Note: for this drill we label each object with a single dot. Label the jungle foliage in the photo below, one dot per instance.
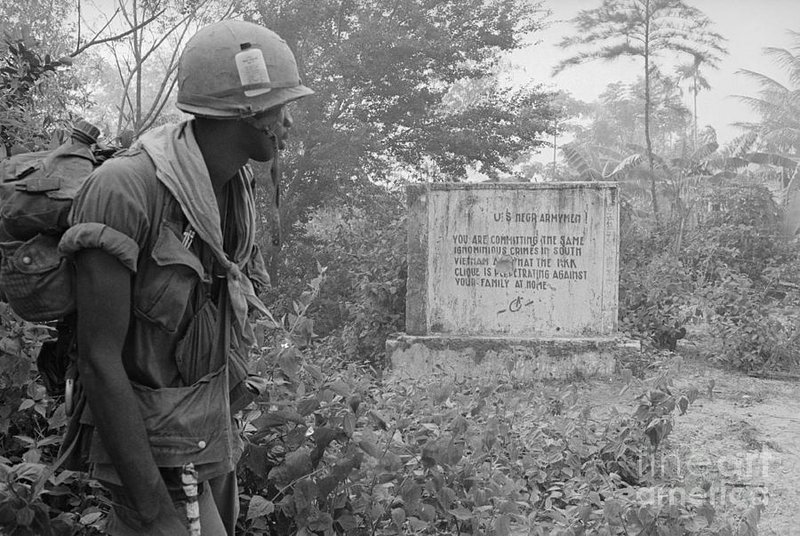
(334, 448)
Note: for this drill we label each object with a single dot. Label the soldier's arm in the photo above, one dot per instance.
(104, 305)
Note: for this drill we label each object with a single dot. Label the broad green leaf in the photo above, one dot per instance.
(398, 517)
(501, 525)
(259, 507)
(418, 525)
(307, 406)
(341, 388)
(349, 424)
(90, 518)
(612, 510)
(347, 522)
(461, 513)
(295, 465)
(25, 516)
(683, 404)
(321, 522)
(370, 448)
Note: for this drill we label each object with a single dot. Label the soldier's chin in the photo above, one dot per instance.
(266, 156)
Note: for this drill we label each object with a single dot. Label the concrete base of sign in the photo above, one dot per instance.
(462, 357)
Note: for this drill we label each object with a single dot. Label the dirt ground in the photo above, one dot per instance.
(739, 442)
(744, 433)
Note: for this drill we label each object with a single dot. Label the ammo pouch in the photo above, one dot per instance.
(184, 424)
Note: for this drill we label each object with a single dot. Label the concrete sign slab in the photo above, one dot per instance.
(513, 259)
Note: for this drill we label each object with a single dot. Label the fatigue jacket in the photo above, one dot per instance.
(171, 353)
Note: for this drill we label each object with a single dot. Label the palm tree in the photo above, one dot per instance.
(691, 71)
(642, 28)
(778, 131)
(777, 104)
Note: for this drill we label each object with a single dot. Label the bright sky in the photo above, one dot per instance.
(748, 25)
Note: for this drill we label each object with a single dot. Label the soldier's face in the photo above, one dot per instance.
(273, 128)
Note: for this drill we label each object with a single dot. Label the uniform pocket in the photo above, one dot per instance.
(166, 281)
(195, 352)
(184, 424)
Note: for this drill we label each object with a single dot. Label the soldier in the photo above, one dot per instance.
(162, 237)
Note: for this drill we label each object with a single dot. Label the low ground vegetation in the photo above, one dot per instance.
(334, 448)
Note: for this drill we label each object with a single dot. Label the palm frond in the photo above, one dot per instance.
(771, 159)
(579, 163)
(703, 152)
(630, 162)
(741, 144)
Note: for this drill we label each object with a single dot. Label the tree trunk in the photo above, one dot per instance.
(647, 111)
(555, 147)
(694, 124)
(137, 53)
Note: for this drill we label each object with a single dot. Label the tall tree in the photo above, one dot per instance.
(39, 91)
(396, 92)
(37, 32)
(692, 72)
(615, 119)
(777, 104)
(566, 107)
(145, 55)
(642, 29)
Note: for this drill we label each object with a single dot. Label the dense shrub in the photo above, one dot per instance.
(33, 500)
(655, 286)
(734, 273)
(740, 230)
(654, 296)
(747, 324)
(334, 452)
(363, 247)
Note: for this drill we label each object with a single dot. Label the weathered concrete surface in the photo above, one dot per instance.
(464, 357)
(512, 278)
(513, 259)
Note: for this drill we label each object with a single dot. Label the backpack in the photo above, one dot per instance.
(36, 193)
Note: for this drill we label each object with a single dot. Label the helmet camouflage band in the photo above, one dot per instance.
(233, 69)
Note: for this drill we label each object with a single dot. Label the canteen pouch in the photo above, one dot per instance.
(36, 280)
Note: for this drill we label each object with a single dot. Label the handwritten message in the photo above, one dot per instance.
(534, 261)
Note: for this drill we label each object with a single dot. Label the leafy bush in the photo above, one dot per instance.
(333, 451)
(654, 296)
(655, 287)
(740, 260)
(734, 273)
(740, 231)
(32, 103)
(747, 324)
(34, 499)
(363, 247)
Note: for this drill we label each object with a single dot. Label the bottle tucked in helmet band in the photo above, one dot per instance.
(234, 69)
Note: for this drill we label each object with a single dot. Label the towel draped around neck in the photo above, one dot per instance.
(180, 167)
